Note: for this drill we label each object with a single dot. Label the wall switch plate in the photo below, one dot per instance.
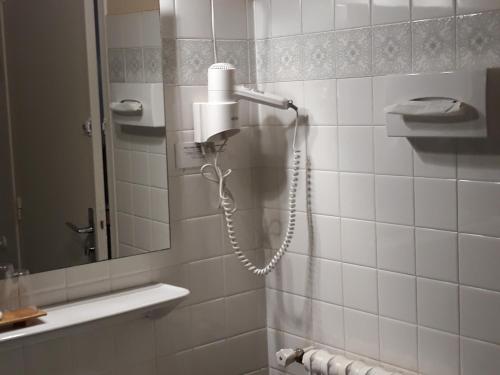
(188, 155)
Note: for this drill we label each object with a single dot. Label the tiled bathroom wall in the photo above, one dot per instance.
(397, 260)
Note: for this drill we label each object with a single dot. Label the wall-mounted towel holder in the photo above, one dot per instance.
(452, 104)
(127, 107)
(138, 104)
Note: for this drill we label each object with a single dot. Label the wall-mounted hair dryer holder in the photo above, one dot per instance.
(217, 119)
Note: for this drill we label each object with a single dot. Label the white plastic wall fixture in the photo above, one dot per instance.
(474, 88)
(151, 97)
(215, 121)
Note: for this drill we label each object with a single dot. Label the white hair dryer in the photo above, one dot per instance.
(217, 119)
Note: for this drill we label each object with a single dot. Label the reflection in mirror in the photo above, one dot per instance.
(139, 143)
(70, 193)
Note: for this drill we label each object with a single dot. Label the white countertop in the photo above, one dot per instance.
(90, 310)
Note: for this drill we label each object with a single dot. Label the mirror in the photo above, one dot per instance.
(80, 183)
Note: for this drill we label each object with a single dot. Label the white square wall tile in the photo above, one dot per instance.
(89, 273)
(435, 158)
(158, 171)
(283, 304)
(395, 11)
(193, 19)
(397, 296)
(245, 312)
(398, 343)
(230, 19)
(114, 33)
(358, 242)
(151, 35)
(379, 88)
(327, 280)
(124, 197)
(396, 248)
(479, 261)
(206, 280)
(324, 192)
(261, 10)
(322, 147)
(141, 197)
(354, 101)
(356, 148)
(236, 278)
(436, 203)
(361, 333)
(317, 15)
(393, 155)
(208, 322)
(328, 324)
(320, 100)
(167, 17)
(479, 160)
(473, 6)
(360, 288)
(125, 228)
(437, 305)
(437, 255)
(140, 168)
(479, 314)
(208, 240)
(291, 276)
(423, 9)
(159, 205)
(357, 196)
(326, 234)
(352, 13)
(132, 30)
(394, 199)
(479, 207)
(286, 17)
(438, 352)
(143, 233)
(140, 349)
(479, 355)
(160, 236)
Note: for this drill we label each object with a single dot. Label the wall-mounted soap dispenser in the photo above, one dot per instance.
(453, 104)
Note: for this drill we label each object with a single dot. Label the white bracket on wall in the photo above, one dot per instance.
(451, 104)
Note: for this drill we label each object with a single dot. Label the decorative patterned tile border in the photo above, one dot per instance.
(287, 59)
(135, 64)
(392, 49)
(478, 41)
(354, 52)
(434, 45)
(319, 56)
(235, 52)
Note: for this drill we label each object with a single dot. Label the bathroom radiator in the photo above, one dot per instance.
(321, 362)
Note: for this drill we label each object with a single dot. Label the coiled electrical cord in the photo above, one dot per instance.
(214, 173)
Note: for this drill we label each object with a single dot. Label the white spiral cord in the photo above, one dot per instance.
(228, 204)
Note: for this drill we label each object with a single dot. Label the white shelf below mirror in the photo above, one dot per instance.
(152, 300)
